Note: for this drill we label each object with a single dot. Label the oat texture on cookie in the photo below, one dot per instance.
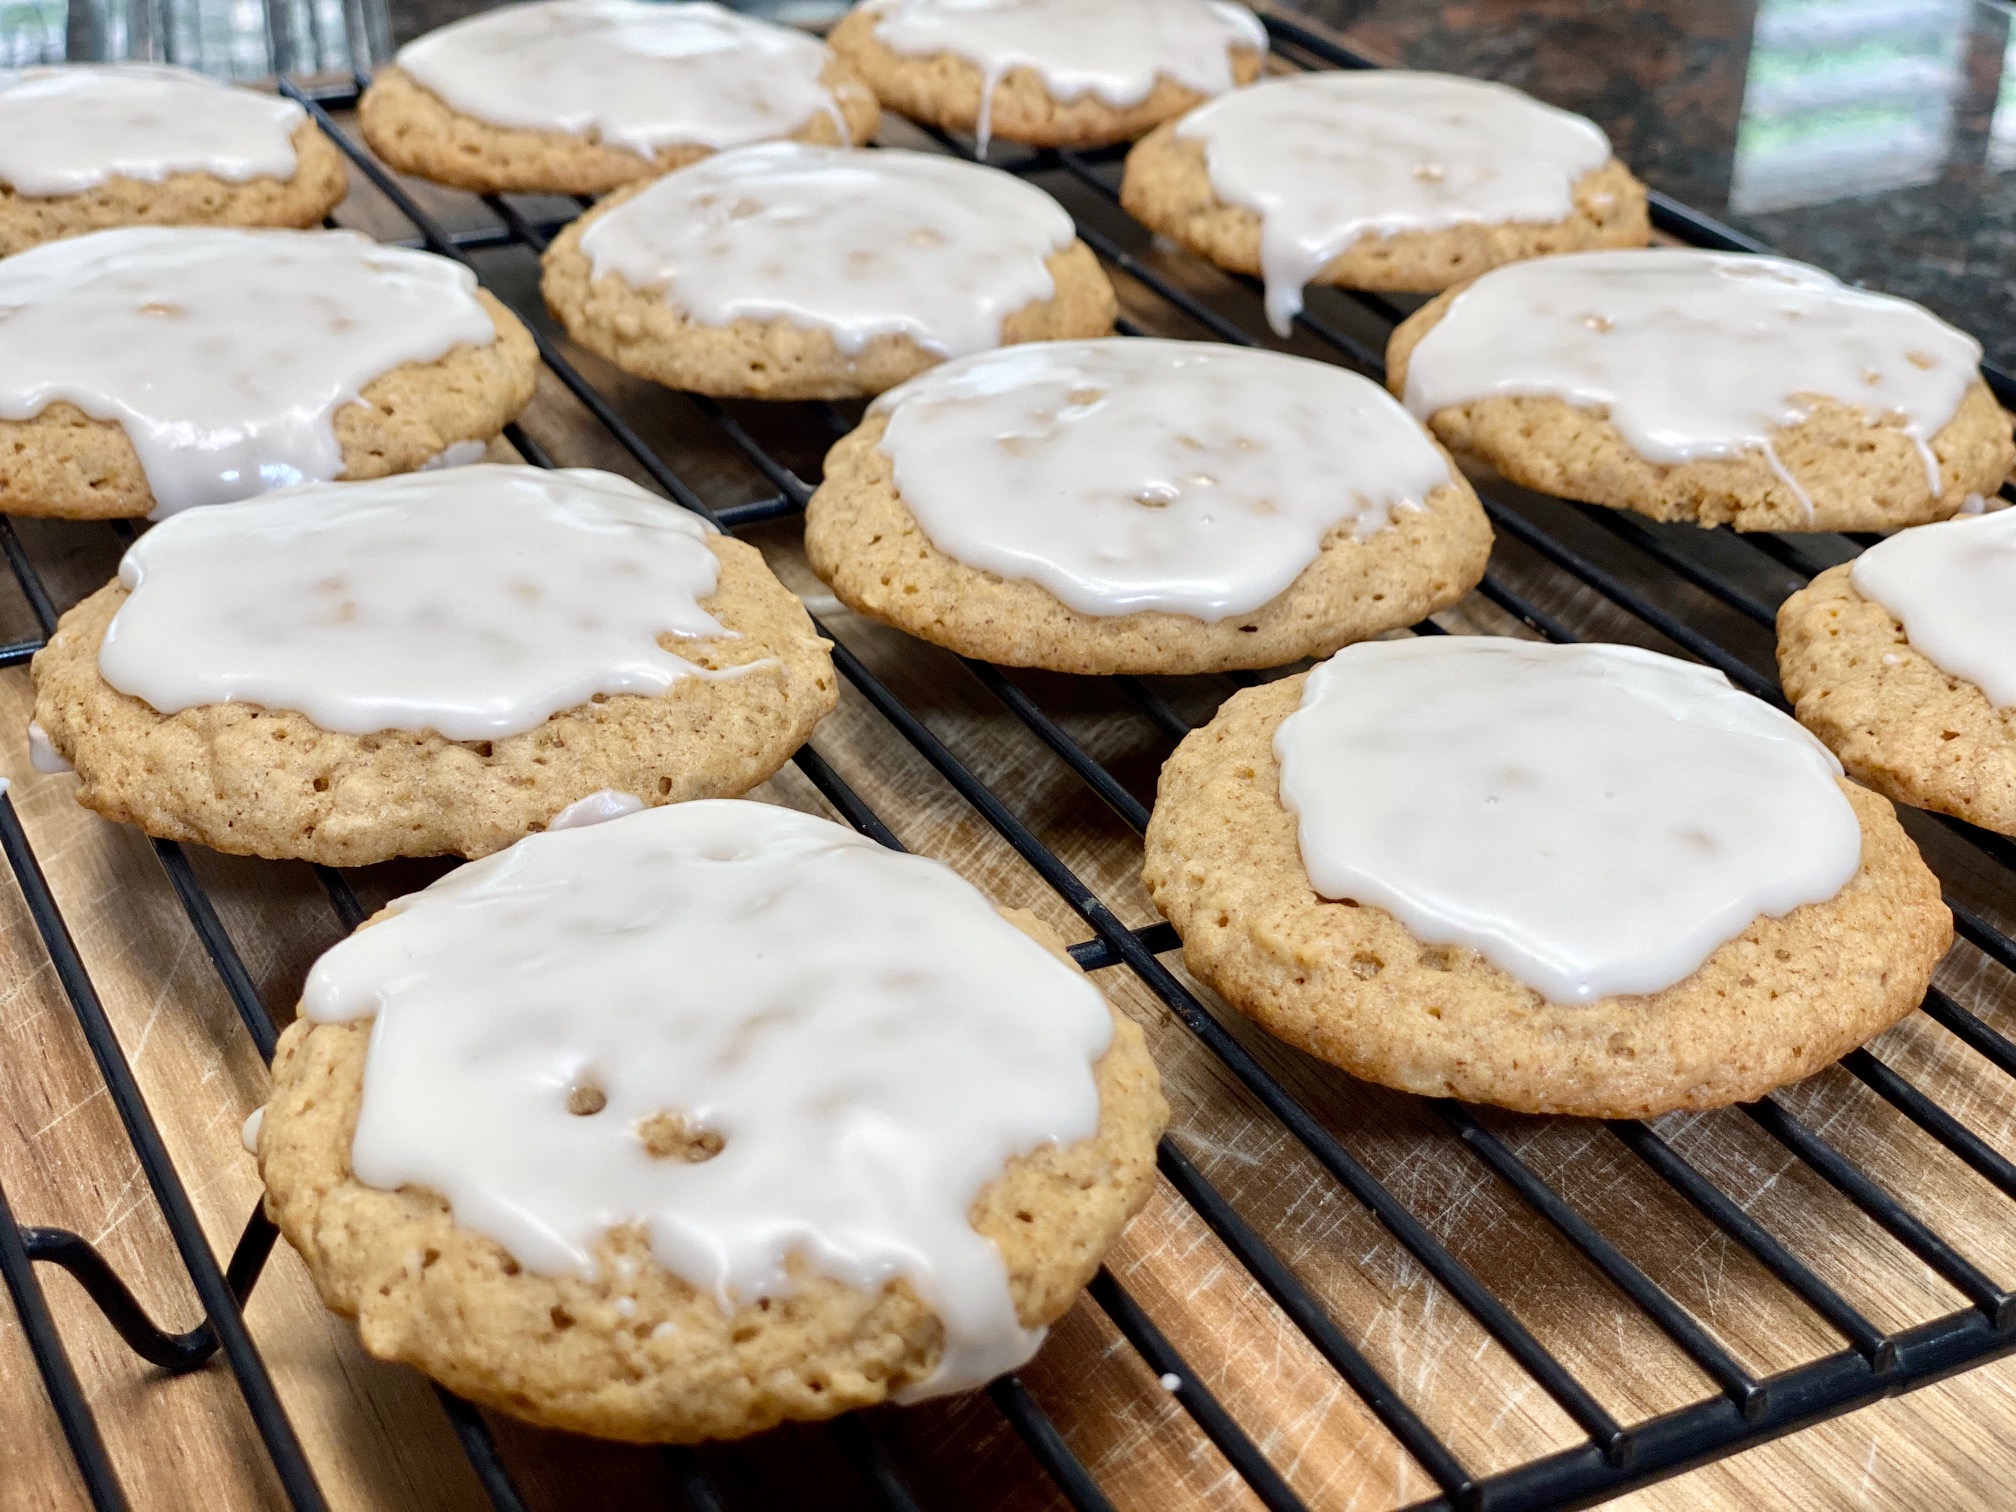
(1577, 879)
(89, 146)
(703, 1119)
(1706, 386)
(582, 96)
(148, 369)
(1137, 505)
(1381, 179)
(1050, 73)
(1904, 662)
(438, 663)
(784, 271)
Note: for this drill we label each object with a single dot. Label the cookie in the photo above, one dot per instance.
(1718, 388)
(145, 370)
(792, 272)
(1899, 707)
(1380, 179)
(584, 96)
(1344, 979)
(1135, 505)
(347, 673)
(1047, 73)
(85, 147)
(914, 1259)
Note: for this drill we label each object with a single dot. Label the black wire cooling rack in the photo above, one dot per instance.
(1742, 577)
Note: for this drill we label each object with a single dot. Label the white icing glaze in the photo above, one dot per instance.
(248, 1132)
(475, 602)
(635, 75)
(224, 355)
(1593, 820)
(1327, 159)
(861, 243)
(1694, 354)
(456, 454)
(67, 129)
(42, 753)
(598, 807)
(1953, 587)
(1130, 474)
(868, 1039)
(1114, 50)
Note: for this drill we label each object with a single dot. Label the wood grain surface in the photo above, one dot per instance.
(378, 1439)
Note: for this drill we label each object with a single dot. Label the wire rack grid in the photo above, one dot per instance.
(1729, 588)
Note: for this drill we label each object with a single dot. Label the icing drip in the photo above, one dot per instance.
(1953, 587)
(248, 1133)
(1114, 50)
(1695, 354)
(476, 602)
(1328, 159)
(42, 753)
(598, 807)
(635, 75)
(852, 1041)
(1593, 820)
(1132, 474)
(457, 454)
(65, 130)
(863, 244)
(224, 355)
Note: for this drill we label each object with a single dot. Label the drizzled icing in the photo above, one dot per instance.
(1114, 50)
(1694, 354)
(42, 753)
(224, 355)
(1593, 820)
(1328, 159)
(635, 75)
(456, 454)
(1131, 474)
(863, 244)
(599, 807)
(65, 130)
(1953, 587)
(476, 602)
(869, 1042)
